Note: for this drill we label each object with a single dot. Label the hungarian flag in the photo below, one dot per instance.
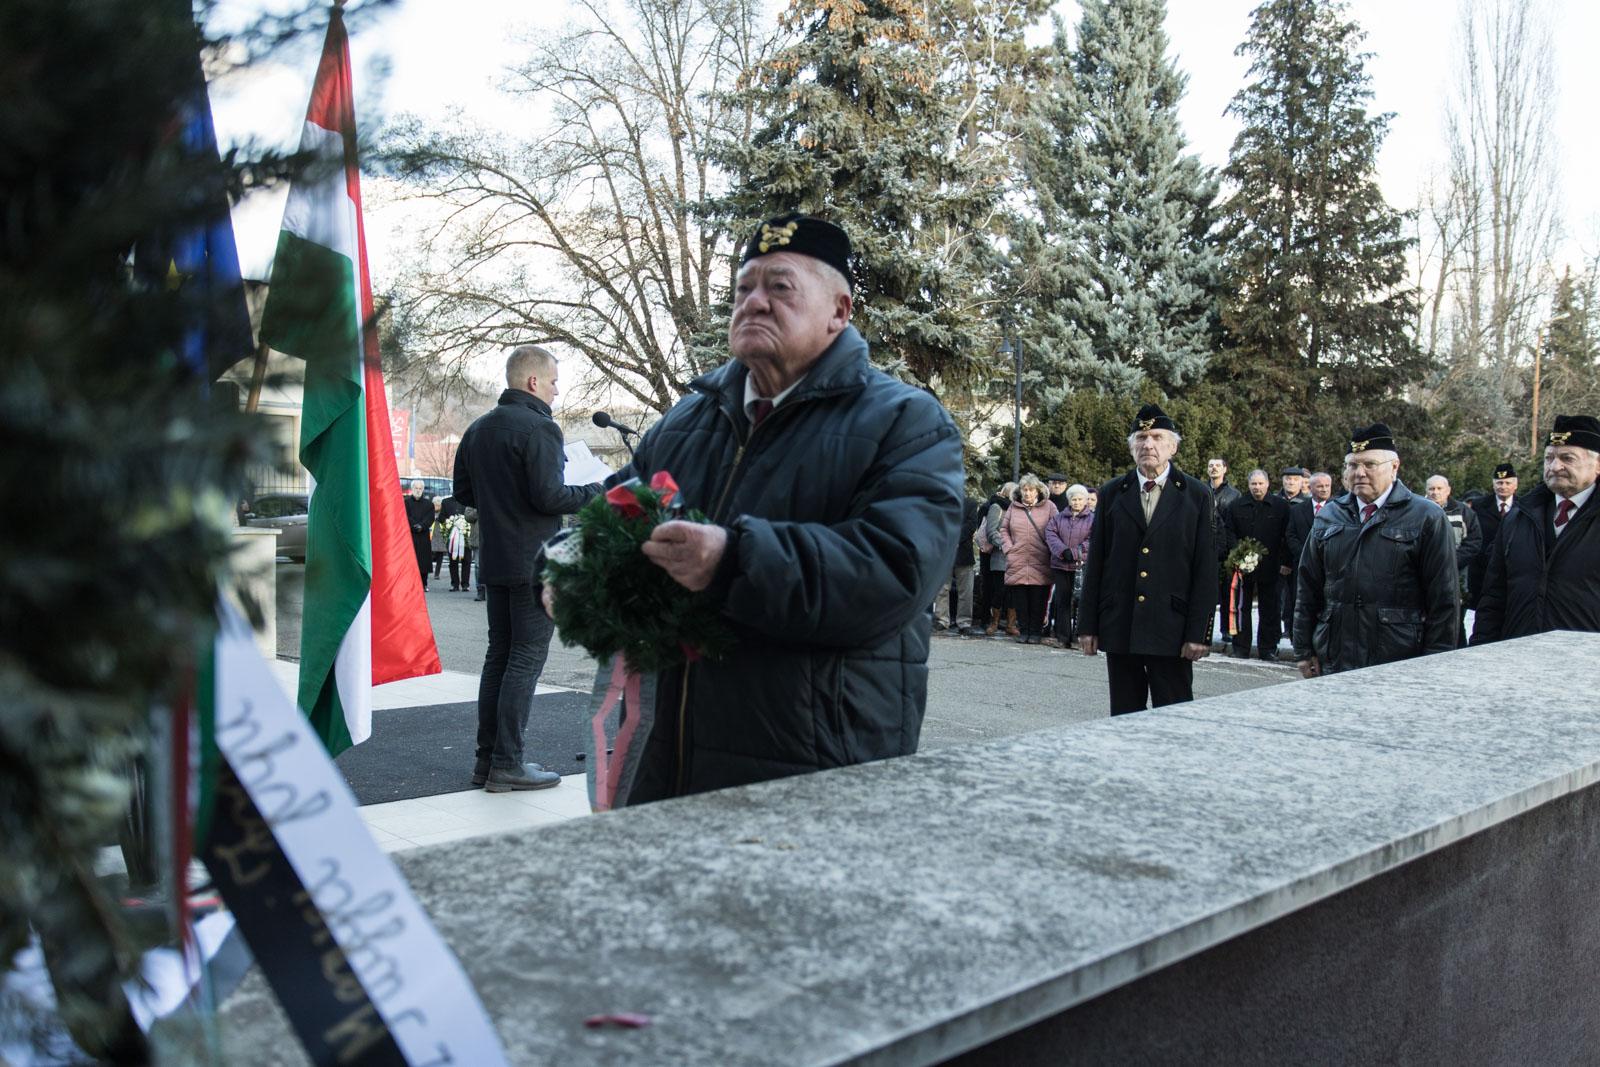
(364, 621)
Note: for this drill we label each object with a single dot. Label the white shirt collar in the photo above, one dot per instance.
(1161, 479)
(1578, 499)
(1381, 501)
(751, 396)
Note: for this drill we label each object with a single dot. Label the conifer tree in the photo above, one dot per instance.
(1319, 310)
(862, 125)
(1571, 379)
(1119, 266)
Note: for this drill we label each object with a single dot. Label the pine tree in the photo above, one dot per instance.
(1316, 259)
(1571, 376)
(1121, 272)
(862, 126)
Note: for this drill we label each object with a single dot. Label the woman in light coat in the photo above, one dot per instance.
(1028, 555)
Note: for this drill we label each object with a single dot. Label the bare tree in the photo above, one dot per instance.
(585, 234)
(1497, 220)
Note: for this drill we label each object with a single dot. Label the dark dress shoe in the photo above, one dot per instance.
(480, 773)
(528, 776)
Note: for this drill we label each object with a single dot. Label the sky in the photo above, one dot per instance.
(430, 58)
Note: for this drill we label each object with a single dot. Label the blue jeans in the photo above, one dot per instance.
(519, 641)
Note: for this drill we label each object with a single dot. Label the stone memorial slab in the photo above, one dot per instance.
(903, 912)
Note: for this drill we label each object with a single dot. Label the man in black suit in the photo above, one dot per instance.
(1303, 511)
(1491, 511)
(1263, 516)
(1148, 581)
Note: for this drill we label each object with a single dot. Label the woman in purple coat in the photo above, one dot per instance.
(1028, 555)
(1068, 537)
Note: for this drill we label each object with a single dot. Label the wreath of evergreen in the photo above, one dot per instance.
(609, 596)
(1241, 554)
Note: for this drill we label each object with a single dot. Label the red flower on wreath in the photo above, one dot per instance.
(627, 505)
(665, 487)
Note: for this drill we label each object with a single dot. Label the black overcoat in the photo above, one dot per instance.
(1378, 591)
(1537, 581)
(1302, 514)
(1149, 589)
(419, 515)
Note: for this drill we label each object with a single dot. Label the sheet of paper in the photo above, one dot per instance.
(583, 467)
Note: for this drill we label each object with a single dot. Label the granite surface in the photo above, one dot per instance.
(904, 911)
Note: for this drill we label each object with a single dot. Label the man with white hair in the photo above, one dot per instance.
(833, 500)
(1464, 528)
(419, 516)
(1378, 575)
(1544, 566)
(1263, 517)
(1150, 575)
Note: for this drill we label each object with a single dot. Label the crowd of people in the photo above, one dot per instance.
(1020, 563)
(836, 516)
(443, 529)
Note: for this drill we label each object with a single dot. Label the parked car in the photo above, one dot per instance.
(285, 512)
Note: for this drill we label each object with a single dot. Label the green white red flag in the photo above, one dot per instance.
(365, 621)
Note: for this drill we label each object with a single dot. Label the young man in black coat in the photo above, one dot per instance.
(1378, 577)
(1149, 578)
(1544, 565)
(510, 467)
(1263, 516)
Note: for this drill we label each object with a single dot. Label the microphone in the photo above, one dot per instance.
(603, 420)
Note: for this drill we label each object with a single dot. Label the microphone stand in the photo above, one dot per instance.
(625, 443)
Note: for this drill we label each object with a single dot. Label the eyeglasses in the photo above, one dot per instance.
(1368, 465)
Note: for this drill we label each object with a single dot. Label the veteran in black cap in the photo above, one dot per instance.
(834, 496)
(1544, 567)
(1491, 510)
(1377, 578)
(1151, 573)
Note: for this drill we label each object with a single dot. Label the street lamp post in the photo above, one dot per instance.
(1015, 352)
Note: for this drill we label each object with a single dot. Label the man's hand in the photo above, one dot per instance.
(1309, 667)
(1196, 650)
(1286, 571)
(688, 551)
(1089, 645)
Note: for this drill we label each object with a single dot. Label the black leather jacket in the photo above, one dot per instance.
(1378, 591)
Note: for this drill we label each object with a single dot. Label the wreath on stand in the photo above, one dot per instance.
(1244, 559)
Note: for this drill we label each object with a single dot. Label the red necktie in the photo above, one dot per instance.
(1149, 486)
(1317, 508)
(760, 410)
(1368, 511)
(1503, 506)
(1563, 513)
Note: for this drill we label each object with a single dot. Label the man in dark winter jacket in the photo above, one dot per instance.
(1222, 497)
(1463, 523)
(1544, 566)
(1263, 516)
(1378, 576)
(419, 515)
(509, 467)
(1149, 577)
(834, 494)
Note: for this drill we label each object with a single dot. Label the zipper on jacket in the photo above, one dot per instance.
(683, 698)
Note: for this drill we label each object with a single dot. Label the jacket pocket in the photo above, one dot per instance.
(1399, 634)
(1180, 605)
